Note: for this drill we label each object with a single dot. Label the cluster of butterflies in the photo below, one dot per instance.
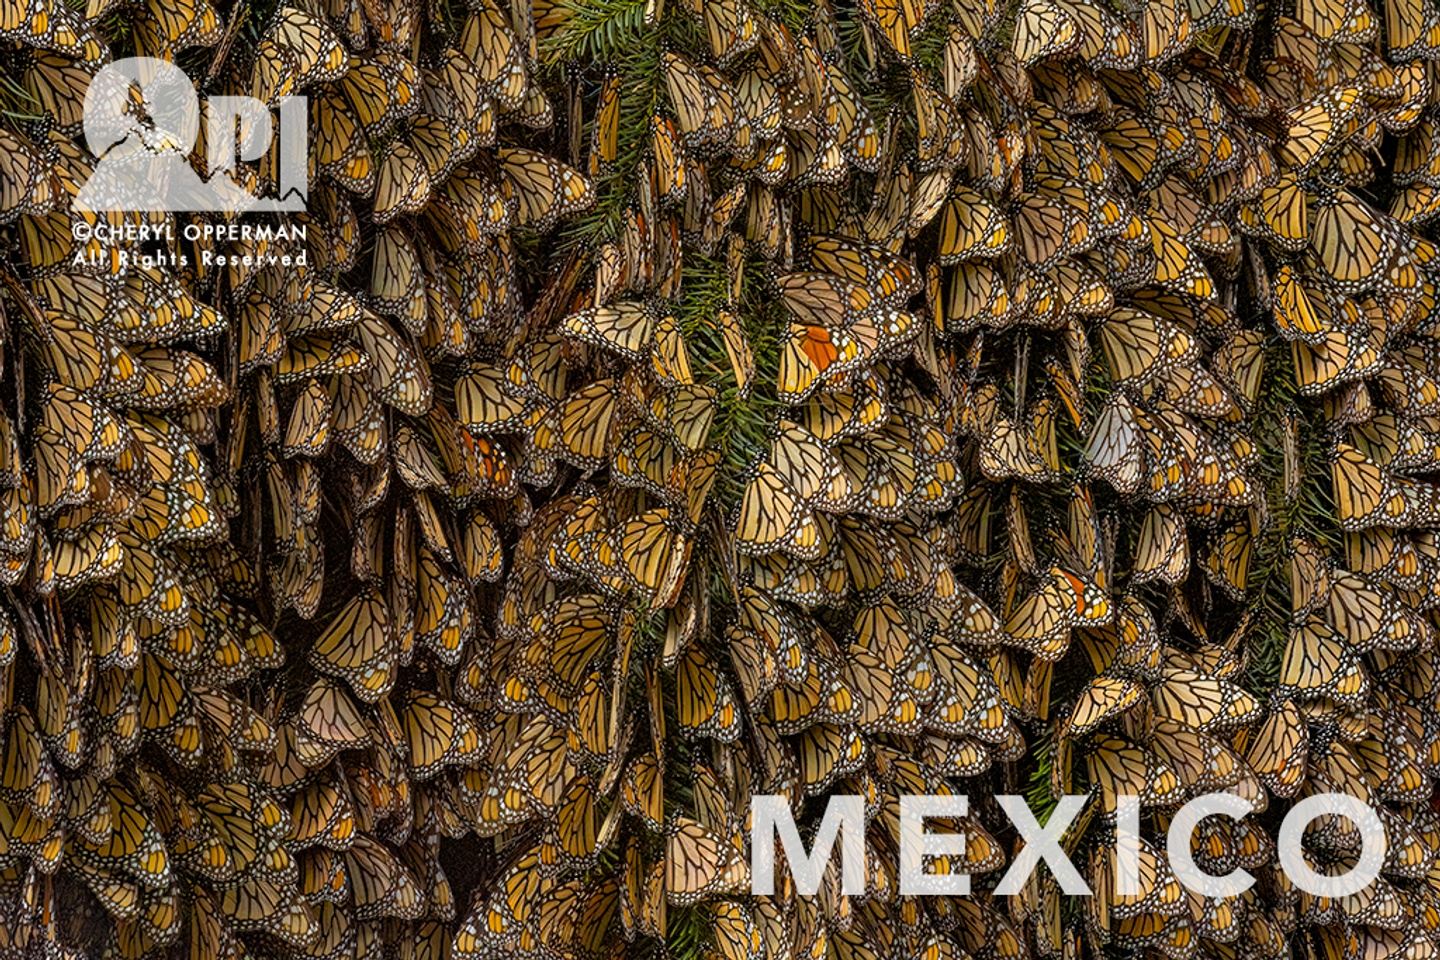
(656, 407)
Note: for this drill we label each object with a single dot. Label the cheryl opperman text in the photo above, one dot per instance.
(844, 819)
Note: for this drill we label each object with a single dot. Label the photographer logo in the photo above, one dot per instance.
(142, 118)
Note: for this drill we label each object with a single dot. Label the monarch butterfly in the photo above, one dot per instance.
(445, 140)
(1202, 761)
(1350, 242)
(1043, 28)
(509, 906)
(1085, 186)
(455, 107)
(1041, 623)
(885, 473)
(328, 721)
(27, 775)
(1228, 561)
(655, 551)
(1367, 616)
(1315, 126)
(813, 354)
(731, 28)
(890, 279)
(625, 327)
(1120, 768)
(1298, 314)
(259, 905)
(1163, 550)
(1202, 702)
(489, 41)
(642, 791)
(1053, 223)
(1392, 760)
(940, 143)
(356, 646)
(697, 862)
(604, 136)
(707, 705)
(1318, 662)
(858, 137)
(820, 695)
(1177, 267)
(1409, 30)
(1104, 40)
(28, 189)
(544, 188)
(438, 733)
(825, 752)
(398, 280)
(669, 359)
(704, 103)
(296, 51)
(1103, 698)
(735, 930)
(1011, 449)
(1365, 494)
(905, 204)
(547, 765)
(162, 31)
(402, 184)
(1165, 29)
(573, 837)
(898, 21)
(971, 227)
(382, 91)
